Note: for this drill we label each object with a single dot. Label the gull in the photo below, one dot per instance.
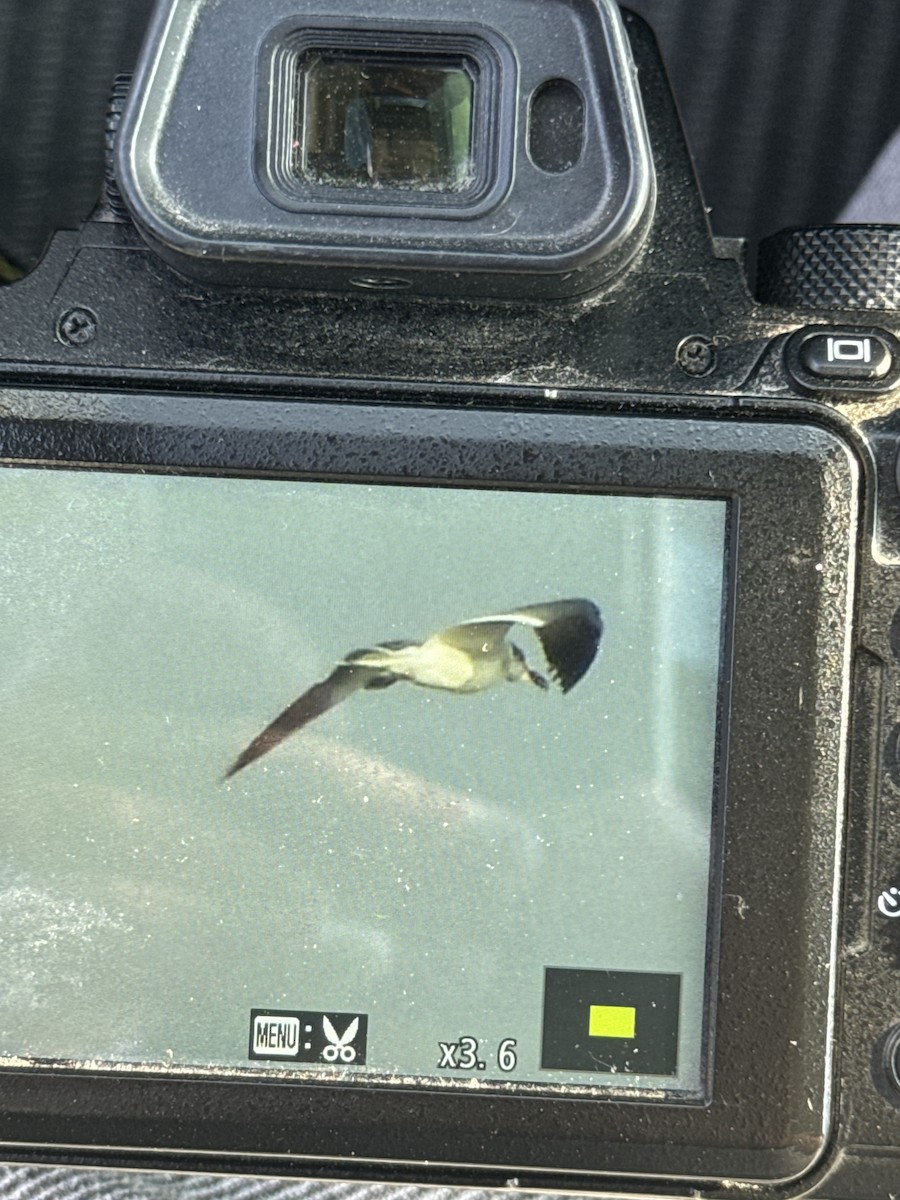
(465, 658)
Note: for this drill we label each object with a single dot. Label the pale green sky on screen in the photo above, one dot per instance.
(416, 855)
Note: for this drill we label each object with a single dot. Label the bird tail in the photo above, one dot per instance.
(382, 657)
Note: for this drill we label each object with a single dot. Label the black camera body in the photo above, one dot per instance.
(381, 336)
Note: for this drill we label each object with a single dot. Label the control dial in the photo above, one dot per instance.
(831, 267)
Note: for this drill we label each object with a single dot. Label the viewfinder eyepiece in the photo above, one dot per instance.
(493, 152)
(384, 120)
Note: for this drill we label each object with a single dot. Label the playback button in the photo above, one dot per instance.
(846, 356)
(843, 360)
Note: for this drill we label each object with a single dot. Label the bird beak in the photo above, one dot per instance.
(538, 679)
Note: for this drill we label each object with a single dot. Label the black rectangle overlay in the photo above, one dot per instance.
(332, 1039)
(579, 1003)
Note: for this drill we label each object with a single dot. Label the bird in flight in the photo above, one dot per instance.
(469, 657)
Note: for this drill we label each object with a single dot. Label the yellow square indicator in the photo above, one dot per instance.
(611, 1020)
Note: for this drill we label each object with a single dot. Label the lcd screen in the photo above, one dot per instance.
(348, 781)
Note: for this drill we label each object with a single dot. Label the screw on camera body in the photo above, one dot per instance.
(696, 355)
(77, 327)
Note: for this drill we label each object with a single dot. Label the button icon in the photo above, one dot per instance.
(843, 360)
(849, 349)
(845, 356)
(308, 1037)
(275, 1036)
(889, 902)
(339, 1046)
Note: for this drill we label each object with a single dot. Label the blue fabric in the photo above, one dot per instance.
(877, 199)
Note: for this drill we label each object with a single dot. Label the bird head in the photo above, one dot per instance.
(518, 669)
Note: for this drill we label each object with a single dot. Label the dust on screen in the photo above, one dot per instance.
(495, 876)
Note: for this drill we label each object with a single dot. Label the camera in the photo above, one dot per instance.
(450, 632)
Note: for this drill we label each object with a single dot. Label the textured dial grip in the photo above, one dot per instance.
(831, 267)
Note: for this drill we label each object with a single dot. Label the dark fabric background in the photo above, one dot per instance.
(786, 103)
(58, 59)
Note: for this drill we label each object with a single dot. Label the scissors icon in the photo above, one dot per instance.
(339, 1047)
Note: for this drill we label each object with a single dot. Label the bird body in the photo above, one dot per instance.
(472, 656)
(437, 663)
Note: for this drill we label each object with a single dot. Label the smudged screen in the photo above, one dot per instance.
(478, 850)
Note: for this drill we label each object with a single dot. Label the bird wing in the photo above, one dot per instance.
(343, 681)
(479, 636)
(569, 632)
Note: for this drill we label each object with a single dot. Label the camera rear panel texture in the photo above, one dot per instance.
(775, 854)
(503, 695)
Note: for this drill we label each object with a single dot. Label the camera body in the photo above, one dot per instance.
(633, 365)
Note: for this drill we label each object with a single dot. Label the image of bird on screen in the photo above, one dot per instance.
(469, 657)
